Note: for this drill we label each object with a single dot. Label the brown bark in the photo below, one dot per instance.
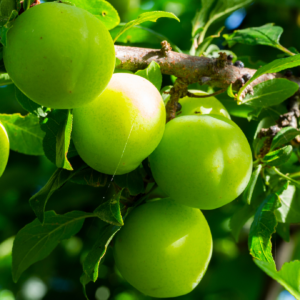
(191, 68)
(216, 72)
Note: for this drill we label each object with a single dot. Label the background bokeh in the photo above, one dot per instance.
(232, 275)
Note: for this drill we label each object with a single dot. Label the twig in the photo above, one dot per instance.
(191, 68)
(297, 183)
(287, 119)
(178, 91)
(216, 72)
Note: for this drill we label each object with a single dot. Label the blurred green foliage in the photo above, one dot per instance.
(232, 275)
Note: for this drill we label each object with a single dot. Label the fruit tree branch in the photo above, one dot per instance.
(216, 72)
(193, 69)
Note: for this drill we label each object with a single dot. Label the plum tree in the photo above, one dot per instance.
(202, 161)
(201, 106)
(4, 149)
(122, 127)
(60, 56)
(164, 248)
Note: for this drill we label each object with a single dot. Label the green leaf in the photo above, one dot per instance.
(27, 3)
(278, 157)
(262, 228)
(5, 79)
(289, 212)
(31, 106)
(211, 11)
(72, 150)
(239, 219)
(271, 92)
(133, 181)
(231, 106)
(6, 7)
(5, 24)
(273, 67)
(259, 142)
(230, 91)
(201, 16)
(35, 241)
(288, 276)
(91, 177)
(153, 74)
(56, 143)
(203, 48)
(110, 211)
(103, 10)
(147, 16)
(58, 179)
(25, 133)
(284, 136)
(140, 34)
(118, 62)
(268, 35)
(94, 257)
(248, 192)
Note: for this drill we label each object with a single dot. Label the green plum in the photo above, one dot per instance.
(59, 55)
(115, 133)
(164, 248)
(4, 149)
(201, 106)
(202, 161)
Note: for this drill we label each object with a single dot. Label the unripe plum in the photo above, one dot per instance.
(4, 149)
(202, 106)
(202, 161)
(115, 133)
(59, 55)
(164, 248)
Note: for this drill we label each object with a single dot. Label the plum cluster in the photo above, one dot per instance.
(63, 57)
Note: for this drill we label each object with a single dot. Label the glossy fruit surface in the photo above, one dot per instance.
(164, 248)
(122, 127)
(4, 149)
(202, 161)
(202, 106)
(59, 55)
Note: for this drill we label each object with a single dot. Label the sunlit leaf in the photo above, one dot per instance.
(103, 10)
(25, 133)
(147, 16)
(268, 35)
(152, 73)
(273, 67)
(271, 92)
(288, 276)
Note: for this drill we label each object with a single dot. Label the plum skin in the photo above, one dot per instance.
(4, 149)
(201, 106)
(164, 248)
(115, 133)
(59, 56)
(202, 161)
